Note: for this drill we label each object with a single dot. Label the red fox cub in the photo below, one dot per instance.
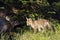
(38, 24)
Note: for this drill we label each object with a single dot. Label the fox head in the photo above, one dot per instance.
(29, 21)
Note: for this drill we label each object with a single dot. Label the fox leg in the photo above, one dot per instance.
(39, 29)
(35, 30)
(44, 30)
(50, 27)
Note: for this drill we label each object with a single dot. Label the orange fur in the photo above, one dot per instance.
(38, 24)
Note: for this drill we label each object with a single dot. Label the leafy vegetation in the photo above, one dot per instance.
(34, 10)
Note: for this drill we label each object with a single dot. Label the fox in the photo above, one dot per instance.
(37, 25)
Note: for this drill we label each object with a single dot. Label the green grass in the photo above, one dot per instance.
(38, 36)
(29, 35)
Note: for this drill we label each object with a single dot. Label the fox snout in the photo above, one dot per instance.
(27, 23)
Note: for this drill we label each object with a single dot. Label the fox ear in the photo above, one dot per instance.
(26, 18)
